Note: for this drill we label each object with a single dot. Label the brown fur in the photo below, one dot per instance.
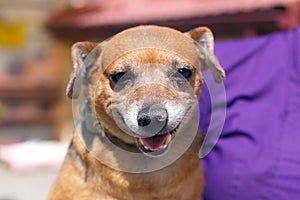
(82, 176)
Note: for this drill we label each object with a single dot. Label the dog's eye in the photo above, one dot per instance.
(186, 73)
(117, 76)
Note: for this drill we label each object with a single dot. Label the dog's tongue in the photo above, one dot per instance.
(155, 142)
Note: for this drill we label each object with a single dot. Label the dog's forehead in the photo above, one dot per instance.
(148, 37)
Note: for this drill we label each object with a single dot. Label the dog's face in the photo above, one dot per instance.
(143, 92)
(150, 92)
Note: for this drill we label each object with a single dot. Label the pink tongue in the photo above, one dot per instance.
(155, 142)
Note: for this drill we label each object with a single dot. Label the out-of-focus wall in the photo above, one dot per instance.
(32, 67)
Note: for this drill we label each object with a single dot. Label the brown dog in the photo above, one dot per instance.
(136, 85)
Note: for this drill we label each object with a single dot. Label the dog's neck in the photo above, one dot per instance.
(121, 143)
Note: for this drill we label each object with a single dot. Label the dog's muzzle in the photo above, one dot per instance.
(153, 130)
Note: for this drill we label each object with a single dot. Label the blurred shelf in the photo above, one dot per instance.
(27, 112)
(31, 88)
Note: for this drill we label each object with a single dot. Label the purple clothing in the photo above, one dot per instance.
(257, 156)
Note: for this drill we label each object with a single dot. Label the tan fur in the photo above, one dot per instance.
(82, 176)
(177, 181)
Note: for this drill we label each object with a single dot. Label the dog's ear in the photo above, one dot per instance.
(84, 55)
(204, 40)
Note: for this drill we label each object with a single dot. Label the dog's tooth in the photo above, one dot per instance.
(141, 141)
(168, 139)
(165, 146)
(146, 147)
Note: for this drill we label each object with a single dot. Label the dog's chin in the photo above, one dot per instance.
(157, 144)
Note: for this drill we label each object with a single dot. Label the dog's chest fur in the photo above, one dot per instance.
(178, 181)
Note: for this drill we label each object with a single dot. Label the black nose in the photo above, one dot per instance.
(155, 115)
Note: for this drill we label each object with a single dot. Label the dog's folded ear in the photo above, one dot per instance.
(204, 40)
(84, 55)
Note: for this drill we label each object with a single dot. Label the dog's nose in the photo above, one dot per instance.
(155, 115)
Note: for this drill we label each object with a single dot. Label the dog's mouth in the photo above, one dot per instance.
(158, 143)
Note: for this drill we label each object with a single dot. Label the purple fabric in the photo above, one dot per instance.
(257, 156)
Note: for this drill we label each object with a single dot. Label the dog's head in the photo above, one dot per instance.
(144, 81)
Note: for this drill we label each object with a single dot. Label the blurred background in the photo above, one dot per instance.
(35, 40)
